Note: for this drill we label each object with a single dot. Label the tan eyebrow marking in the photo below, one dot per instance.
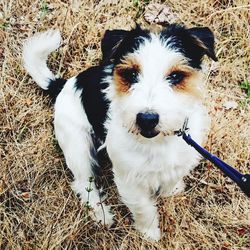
(190, 83)
(122, 85)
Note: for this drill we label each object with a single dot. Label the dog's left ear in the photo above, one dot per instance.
(204, 38)
(110, 41)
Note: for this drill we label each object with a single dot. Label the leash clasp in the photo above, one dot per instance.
(184, 128)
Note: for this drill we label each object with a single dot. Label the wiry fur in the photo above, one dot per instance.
(35, 53)
(142, 167)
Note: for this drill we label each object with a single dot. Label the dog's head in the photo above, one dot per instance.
(155, 78)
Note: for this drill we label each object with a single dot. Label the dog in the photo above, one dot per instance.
(131, 105)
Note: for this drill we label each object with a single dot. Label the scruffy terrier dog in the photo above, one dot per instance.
(131, 105)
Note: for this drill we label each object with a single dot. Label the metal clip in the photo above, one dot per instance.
(184, 128)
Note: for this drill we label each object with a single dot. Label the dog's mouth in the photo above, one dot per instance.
(149, 133)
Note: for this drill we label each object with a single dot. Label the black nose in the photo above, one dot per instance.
(147, 121)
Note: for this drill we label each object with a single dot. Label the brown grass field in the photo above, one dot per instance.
(38, 209)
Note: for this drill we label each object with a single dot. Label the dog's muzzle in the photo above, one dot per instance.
(147, 123)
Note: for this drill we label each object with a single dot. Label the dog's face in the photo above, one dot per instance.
(155, 78)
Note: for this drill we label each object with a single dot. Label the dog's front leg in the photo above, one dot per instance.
(142, 207)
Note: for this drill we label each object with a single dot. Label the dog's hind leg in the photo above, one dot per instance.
(73, 132)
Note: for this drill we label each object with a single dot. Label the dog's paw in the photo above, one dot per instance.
(101, 214)
(178, 188)
(96, 209)
(152, 233)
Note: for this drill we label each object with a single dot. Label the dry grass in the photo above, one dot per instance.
(38, 210)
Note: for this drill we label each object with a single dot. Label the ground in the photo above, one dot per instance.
(38, 209)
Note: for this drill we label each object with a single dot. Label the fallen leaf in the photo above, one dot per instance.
(108, 2)
(226, 245)
(75, 5)
(159, 13)
(28, 101)
(215, 66)
(184, 224)
(126, 221)
(230, 105)
(26, 196)
(241, 231)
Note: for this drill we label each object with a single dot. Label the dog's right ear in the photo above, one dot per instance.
(110, 41)
(204, 39)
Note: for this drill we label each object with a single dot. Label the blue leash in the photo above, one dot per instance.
(243, 181)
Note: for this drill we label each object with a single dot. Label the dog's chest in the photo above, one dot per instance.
(152, 165)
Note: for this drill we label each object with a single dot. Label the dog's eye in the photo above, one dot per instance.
(175, 77)
(130, 75)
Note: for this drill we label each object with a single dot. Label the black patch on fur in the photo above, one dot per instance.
(102, 163)
(93, 100)
(110, 41)
(55, 87)
(90, 83)
(95, 166)
(206, 36)
(185, 41)
(121, 43)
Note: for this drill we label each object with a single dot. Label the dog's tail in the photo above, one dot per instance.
(35, 53)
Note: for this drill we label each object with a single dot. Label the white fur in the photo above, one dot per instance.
(142, 167)
(35, 54)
